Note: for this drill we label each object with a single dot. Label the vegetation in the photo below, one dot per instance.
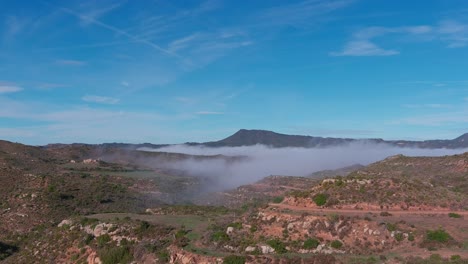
(278, 199)
(115, 255)
(311, 243)
(454, 215)
(234, 259)
(438, 235)
(336, 244)
(278, 245)
(320, 199)
(7, 250)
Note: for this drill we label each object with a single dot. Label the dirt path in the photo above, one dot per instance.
(351, 211)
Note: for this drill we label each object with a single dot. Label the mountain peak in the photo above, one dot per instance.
(462, 138)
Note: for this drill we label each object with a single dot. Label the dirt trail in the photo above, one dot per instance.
(351, 211)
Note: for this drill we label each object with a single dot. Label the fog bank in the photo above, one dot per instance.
(264, 161)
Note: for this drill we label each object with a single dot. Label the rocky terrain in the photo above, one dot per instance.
(93, 204)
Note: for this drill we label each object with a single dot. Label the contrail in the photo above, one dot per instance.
(116, 30)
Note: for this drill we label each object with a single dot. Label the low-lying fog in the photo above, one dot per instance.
(264, 161)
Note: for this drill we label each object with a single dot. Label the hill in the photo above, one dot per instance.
(245, 137)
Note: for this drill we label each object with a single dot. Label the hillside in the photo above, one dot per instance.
(245, 137)
(89, 204)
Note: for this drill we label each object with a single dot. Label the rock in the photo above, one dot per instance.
(267, 249)
(250, 249)
(228, 247)
(65, 222)
(290, 226)
(376, 232)
(230, 230)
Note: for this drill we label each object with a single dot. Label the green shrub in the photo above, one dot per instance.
(278, 199)
(103, 240)
(164, 255)
(399, 237)
(278, 245)
(438, 235)
(391, 227)
(320, 199)
(311, 243)
(455, 257)
(219, 236)
(336, 244)
(236, 225)
(233, 259)
(410, 237)
(116, 255)
(454, 215)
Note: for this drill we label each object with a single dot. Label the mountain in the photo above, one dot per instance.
(246, 137)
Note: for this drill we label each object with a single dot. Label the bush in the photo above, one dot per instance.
(311, 243)
(438, 235)
(115, 255)
(219, 236)
(320, 199)
(410, 237)
(454, 215)
(399, 237)
(278, 199)
(278, 245)
(336, 244)
(391, 227)
(236, 225)
(233, 259)
(164, 255)
(103, 240)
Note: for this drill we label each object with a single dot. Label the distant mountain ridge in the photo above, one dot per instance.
(246, 137)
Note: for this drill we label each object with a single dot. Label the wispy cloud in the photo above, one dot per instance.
(209, 113)
(93, 12)
(453, 32)
(101, 24)
(100, 99)
(363, 42)
(200, 49)
(8, 88)
(304, 12)
(70, 62)
(14, 25)
(363, 48)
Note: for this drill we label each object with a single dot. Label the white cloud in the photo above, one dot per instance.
(124, 83)
(363, 48)
(6, 88)
(100, 99)
(301, 13)
(96, 12)
(363, 41)
(453, 32)
(70, 62)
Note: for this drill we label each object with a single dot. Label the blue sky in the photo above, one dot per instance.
(175, 71)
